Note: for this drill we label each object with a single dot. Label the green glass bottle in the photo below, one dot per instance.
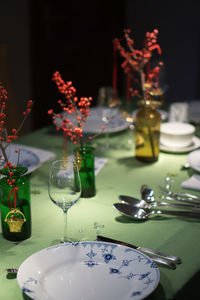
(85, 158)
(15, 205)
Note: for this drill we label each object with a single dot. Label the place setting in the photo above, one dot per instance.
(178, 134)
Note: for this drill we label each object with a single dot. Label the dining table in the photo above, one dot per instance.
(121, 174)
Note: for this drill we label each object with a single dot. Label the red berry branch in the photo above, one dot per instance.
(7, 138)
(71, 105)
(136, 62)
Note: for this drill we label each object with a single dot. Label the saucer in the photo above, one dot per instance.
(194, 145)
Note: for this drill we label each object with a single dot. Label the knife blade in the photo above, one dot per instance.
(156, 259)
(151, 252)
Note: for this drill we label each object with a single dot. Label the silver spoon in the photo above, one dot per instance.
(141, 203)
(148, 195)
(142, 214)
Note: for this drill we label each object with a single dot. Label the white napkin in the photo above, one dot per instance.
(194, 110)
(192, 183)
(178, 112)
(98, 163)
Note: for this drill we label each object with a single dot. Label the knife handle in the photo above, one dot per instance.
(172, 258)
(163, 261)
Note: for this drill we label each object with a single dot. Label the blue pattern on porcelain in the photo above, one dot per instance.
(119, 262)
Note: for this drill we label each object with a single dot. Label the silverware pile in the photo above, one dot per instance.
(188, 205)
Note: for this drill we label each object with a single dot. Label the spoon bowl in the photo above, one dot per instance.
(134, 201)
(147, 193)
(131, 211)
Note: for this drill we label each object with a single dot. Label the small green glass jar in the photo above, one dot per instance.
(15, 205)
(85, 158)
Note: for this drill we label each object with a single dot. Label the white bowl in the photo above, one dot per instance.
(176, 134)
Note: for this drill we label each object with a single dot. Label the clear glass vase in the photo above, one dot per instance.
(15, 205)
(147, 132)
(85, 158)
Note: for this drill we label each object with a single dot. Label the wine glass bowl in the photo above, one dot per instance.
(64, 187)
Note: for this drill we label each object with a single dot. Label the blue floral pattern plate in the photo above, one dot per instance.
(88, 270)
(94, 121)
(26, 158)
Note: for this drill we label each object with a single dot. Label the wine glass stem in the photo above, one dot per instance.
(65, 238)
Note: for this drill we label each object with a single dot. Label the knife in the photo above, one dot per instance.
(150, 252)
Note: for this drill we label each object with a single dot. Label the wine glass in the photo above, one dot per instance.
(64, 187)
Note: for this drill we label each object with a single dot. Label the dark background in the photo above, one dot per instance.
(75, 38)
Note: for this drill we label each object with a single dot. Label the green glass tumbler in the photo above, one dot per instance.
(15, 205)
(85, 158)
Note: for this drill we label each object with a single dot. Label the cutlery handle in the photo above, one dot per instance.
(193, 202)
(187, 195)
(163, 262)
(186, 199)
(185, 214)
(180, 195)
(172, 258)
(186, 204)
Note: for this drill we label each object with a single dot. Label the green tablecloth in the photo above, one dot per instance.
(122, 174)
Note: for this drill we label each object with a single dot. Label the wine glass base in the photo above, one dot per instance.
(69, 240)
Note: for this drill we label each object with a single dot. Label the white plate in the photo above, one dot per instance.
(194, 160)
(195, 144)
(27, 158)
(88, 271)
(94, 122)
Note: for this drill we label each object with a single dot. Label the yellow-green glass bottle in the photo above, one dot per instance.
(147, 132)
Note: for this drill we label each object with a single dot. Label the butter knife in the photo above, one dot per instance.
(151, 252)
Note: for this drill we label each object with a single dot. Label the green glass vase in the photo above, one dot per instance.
(15, 205)
(85, 158)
